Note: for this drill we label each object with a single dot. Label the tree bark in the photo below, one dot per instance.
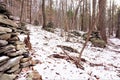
(102, 19)
(21, 15)
(93, 10)
(43, 14)
(118, 26)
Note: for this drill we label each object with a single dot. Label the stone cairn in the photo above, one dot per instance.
(13, 54)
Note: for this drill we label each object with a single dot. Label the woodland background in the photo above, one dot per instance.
(69, 14)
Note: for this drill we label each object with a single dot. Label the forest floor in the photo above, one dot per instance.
(100, 64)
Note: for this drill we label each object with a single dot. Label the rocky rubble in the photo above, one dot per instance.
(13, 54)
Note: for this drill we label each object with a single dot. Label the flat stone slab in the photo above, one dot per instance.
(20, 47)
(23, 60)
(3, 58)
(14, 68)
(3, 42)
(14, 38)
(6, 48)
(26, 64)
(4, 19)
(8, 77)
(13, 54)
(4, 29)
(5, 36)
(12, 62)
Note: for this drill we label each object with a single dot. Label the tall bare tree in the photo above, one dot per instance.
(93, 10)
(43, 13)
(22, 6)
(118, 25)
(102, 19)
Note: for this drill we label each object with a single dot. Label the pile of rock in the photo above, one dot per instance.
(13, 55)
(95, 39)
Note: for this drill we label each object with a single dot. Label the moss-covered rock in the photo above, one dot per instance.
(50, 25)
(85, 36)
(36, 22)
(49, 29)
(95, 39)
(98, 42)
(76, 33)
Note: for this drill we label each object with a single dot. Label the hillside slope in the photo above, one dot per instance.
(101, 64)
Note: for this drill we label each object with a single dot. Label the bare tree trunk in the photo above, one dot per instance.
(75, 15)
(83, 12)
(102, 19)
(43, 13)
(93, 12)
(22, 6)
(113, 10)
(51, 2)
(30, 11)
(118, 26)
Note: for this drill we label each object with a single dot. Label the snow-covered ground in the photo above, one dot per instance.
(44, 44)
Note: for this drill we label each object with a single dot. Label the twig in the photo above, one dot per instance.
(74, 60)
(88, 36)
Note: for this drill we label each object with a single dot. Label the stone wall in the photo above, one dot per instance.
(13, 54)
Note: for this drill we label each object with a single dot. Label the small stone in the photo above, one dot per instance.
(10, 51)
(4, 29)
(14, 29)
(13, 54)
(26, 55)
(3, 33)
(34, 62)
(3, 43)
(14, 68)
(5, 36)
(5, 20)
(18, 71)
(19, 43)
(20, 47)
(25, 59)
(3, 62)
(6, 48)
(8, 77)
(14, 39)
(11, 42)
(12, 62)
(26, 64)
(34, 75)
(3, 58)
(14, 34)
(1, 73)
